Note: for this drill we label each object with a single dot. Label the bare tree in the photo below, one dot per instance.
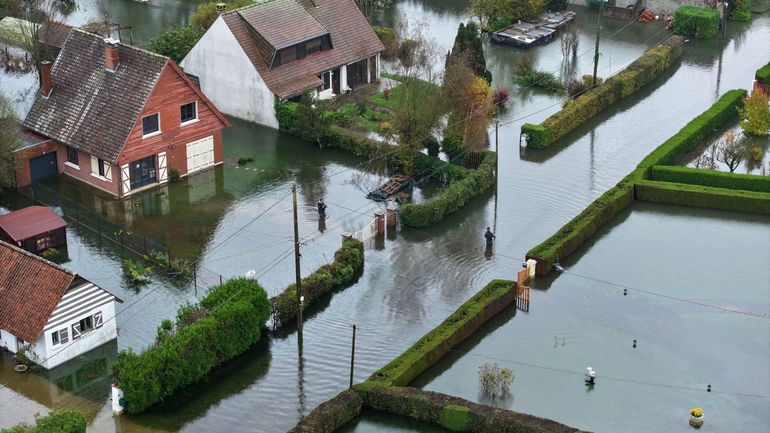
(9, 141)
(707, 159)
(569, 42)
(37, 29)
(731, 151)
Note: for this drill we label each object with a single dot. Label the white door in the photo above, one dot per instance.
(200, 154)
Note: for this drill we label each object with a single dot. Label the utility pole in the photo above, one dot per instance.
(725, 5)
(598, 33)
(352, 356)
(298, 277)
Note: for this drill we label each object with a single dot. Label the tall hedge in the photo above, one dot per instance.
(701, 22)
(712, 178)
(763, 74)
(58, 421)
(344, 270)
(703, 196)
(454, 196)
(577, 111)
(224, 324)
(461, 324)
(696, 130)
(331, 414)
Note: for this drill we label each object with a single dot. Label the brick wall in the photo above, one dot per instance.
(23, 175)
(83, 172)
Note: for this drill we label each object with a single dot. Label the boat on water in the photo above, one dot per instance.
(391, 189)
(534, 31)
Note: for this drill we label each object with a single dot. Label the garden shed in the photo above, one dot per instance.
(34, 228)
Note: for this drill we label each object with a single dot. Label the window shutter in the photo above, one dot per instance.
(63, 336)
(162, 171)
(98, 322)
(94, 165)
(107, 170)
(75, 331)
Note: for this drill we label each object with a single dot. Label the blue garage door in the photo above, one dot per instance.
(43, 166)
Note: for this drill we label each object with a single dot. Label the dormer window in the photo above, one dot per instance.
(301, 50)
(313, 46)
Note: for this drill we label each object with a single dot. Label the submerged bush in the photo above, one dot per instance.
(495, 381)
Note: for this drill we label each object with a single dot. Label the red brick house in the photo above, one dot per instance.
(118, 118)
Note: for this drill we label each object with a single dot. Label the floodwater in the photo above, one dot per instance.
(379, 422)
(412, 279)
(750, 164)
(682, 346)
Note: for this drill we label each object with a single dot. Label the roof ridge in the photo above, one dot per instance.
(36, 257)
(132, 47)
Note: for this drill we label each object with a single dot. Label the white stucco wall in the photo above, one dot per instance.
(228, 78)
(7, 341)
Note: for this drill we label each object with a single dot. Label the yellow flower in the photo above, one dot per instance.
(696, 412)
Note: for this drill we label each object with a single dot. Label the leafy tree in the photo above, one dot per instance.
(310, 121)
(206, 13)
(9, 141)
(467, 48)
(755, 114)
(368, 7)
(177, 42)
(741, 11)
(470, 97)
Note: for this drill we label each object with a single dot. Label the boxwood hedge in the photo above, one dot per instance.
(703, 196)
(701, 22)
(344, 270)
(429, 349)
(224, 324)
(763, 74)
(455, 195)
(696, 130)
(713, 178)
(577, 111)
(331, 414)
(58, 421)
(454, 413)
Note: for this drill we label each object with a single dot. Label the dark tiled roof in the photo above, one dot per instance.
(282, 22)
(54, 34)
(352, 39)
(30, 221)
(91, 108)
(30, 289)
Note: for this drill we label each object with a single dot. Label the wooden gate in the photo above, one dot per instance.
(522, 290)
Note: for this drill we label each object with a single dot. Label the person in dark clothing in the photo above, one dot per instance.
(489, 236)
(321, 208)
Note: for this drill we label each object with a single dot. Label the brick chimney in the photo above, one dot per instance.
(45, 78)
(111, 54)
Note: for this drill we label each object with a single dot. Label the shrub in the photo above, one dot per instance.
(763, 74)
(461, 324)
(577, 111)
(135, 272)
(235, 314)
(755, 153)
(453, 197)
(755, 114)
(58, 421)
(575, 87)
(712, 178)
(703, 196)
(432, 145)
(741, 11)
(286, 113)
(543, 80)
(701, 22)
(500, 97)
(245, 160)
(493, 380)
(177, 42)
(173, 175)
(556, 5)
(388, 38)
(343, 271)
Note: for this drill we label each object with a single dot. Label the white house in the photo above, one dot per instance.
(54, 314)
(282, 48)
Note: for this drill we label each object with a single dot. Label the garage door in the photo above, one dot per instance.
(200, 154)
(43, 167)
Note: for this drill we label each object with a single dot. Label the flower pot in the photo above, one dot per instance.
(696, 421)
(21, 368)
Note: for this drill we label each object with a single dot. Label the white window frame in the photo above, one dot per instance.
(61, 339)
(187, 122)
(107, 168)
(152, 134)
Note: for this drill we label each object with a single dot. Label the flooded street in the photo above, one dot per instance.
(415, 278)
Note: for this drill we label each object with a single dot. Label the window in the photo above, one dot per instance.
(86, 324)
(45, 241)
(59, 337)
(288, 55)
(142, 172)
(72, 155)
(100, 168)
(313, 46)
(327, 79)
(188, 112)
(150, 124)
(55, 338)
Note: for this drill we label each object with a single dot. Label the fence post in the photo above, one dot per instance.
(195, 280)
(220, 279)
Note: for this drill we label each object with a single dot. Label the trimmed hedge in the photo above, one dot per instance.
(224, 324)
(577, 111)
(331, 414)
(573, 234)
(703, 196)
(58, 421)
(700, 22)
(712, 178)
(696, 130)
(454, 196)
(343, 271)
(429, 349)
(454, 413)
(763, 74)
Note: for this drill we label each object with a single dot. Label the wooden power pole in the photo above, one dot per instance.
(598, 34)
(298, 277)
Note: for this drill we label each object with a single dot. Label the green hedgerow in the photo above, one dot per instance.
(455, 418)
(701, 22)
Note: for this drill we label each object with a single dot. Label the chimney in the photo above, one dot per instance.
(221, 7)
(111, 54)
(45, 78)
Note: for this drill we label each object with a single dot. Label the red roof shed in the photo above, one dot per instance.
(34, 228)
